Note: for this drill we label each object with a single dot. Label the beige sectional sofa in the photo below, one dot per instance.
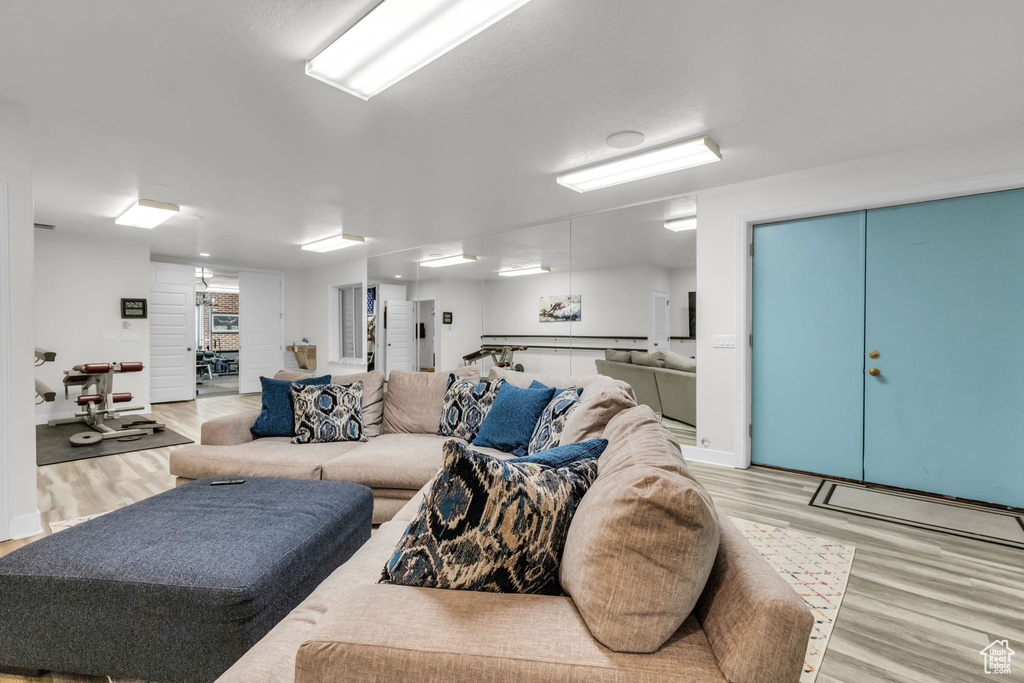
(746, 626)
(671, 391)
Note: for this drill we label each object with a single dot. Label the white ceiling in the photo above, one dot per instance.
(205, 104)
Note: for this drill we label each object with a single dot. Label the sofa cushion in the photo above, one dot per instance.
(378, 634)
(465, 407)
(601, 400)
(653, 360)
(643, 541)
(474, 532)
(277, 415)
(270, 457)
(329, 413)
(412, 404)
(675, 361)
(547, 433)
(617, 356)
(511, 421)
(373, 394)
(560, 456)
(390, 461)
(524, 379)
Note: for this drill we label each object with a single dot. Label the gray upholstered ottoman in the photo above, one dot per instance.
(179, 586)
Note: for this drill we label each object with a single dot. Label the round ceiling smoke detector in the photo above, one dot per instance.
(626, 139)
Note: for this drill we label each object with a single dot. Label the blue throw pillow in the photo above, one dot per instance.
(560, 456)
(510, 422)
(277, 417)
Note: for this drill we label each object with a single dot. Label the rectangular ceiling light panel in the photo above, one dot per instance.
(652, 162)
(680, 224)
(448, 261)
(334, 243)
(537, 270)
(145, 213)
(398, 37)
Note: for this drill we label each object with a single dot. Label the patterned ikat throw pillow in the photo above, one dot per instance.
(331, 412)
(466, 404)
(548, 432)
(488, 525)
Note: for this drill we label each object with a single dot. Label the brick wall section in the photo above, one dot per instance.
(225, 303)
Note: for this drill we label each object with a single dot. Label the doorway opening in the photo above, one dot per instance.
(218, 352)
(426, 357)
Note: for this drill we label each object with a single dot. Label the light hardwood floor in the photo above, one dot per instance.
(919, 606)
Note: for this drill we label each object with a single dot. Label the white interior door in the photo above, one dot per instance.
(260, 339)
(659, 338)
(400, 321)
(172, 333)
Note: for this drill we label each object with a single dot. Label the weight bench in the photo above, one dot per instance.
(99, 403)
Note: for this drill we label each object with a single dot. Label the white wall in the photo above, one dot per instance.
(79, 284)
(18, 474)
(294, 308)
(615, 301)
(717, 250)
(312, 312)
(463, 299)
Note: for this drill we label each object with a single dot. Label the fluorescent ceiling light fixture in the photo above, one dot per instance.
(448, 261)
(334, 243)
(145, 213)
(535, 270)
(398, 37)
(651, 162)
(680, 224)
(205, 255)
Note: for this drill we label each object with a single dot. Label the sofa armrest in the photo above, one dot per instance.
(756, 623)
(384, 632)
(229, 430)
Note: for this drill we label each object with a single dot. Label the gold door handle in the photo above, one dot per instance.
(873, 354)
(874, 372)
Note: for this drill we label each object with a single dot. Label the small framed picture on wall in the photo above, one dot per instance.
(225, 323)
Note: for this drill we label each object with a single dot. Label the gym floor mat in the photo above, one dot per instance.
(53, 445)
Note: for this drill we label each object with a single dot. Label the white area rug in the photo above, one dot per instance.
(818, 570)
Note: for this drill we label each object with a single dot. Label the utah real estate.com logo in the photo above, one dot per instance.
(997, 657)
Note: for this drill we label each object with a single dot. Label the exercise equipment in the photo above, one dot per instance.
(501, 355)
(99, 403)
(44, 393)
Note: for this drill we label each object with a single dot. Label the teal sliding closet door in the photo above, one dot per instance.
(945, 311)
(808, 326)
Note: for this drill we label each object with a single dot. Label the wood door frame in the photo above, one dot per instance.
(745, 223)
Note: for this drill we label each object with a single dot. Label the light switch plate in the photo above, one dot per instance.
(724, 341)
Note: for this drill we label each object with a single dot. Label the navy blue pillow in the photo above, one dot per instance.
(277, 418)
(538, 385)
(560, 456)
(509, 423)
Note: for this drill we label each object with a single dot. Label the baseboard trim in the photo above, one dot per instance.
(24, 526)
(711, 457)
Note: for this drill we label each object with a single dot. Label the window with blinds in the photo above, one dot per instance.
(350, 321)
